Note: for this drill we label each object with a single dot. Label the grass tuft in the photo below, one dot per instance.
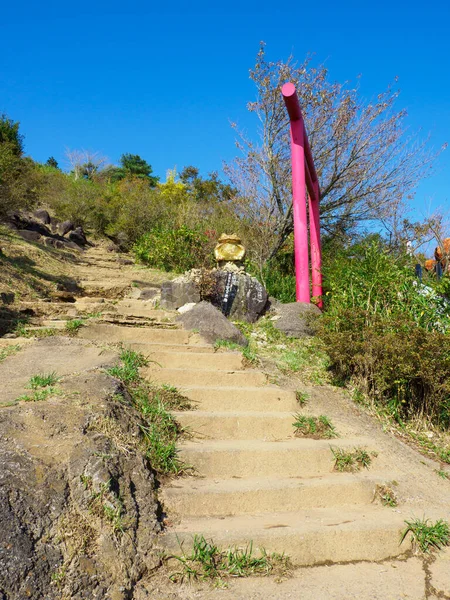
(73, 326)
(443, 474)
(428, 535)
(387, 495)
(351, 461)
(9, 351)
(42, 381)
(314, 427)
(41, 386)
(160, 430)
(207, 562)
(301, 398)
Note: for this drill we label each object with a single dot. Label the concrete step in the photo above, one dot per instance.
(269, 398)
(181, 360)
(193, 497)
(256, 458)
(119, 333)
(149, 348)
(308, 537)
(249, 425)
(187, 377)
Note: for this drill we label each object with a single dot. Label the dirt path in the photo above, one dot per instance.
(254, 479)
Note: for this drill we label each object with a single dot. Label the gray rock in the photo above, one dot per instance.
(65, 227)
(29, 236)
(42, 215)
(239, 296)
(177, 293)
(297, 319)
(211, 324)
(77, 236)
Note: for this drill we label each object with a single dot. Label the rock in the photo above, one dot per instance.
(186, 307)
(239, 295)
(43, 216)
(148, 293)
(65, 227)
(297, 319)
(78, 237)
(178, 292)
(211, 324)
(29, 236)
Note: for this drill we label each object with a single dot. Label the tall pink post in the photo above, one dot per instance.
(316, 251)
(298, 194)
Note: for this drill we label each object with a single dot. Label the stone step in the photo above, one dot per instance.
(182, 360)
(149, 348)
(194, 497)
(187, 377)
(119, 333)
(249, 425)
(308, 537)
(257, 458)
(265, 398)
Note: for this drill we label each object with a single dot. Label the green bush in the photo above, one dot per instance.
(388, 335)
(174, 249)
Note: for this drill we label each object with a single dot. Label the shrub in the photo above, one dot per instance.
(174, 249)
(386, 336)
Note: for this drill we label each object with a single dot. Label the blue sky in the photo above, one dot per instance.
(163, 80)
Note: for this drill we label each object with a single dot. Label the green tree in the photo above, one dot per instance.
(132, 165)
(52, 162)
(208, 189)
(9, 134)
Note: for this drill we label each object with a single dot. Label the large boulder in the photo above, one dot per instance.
(65, 227)
(42, 215)
(211, 324)
(296, 319)
(78, 237)
(178, 292)
(29, 236)
(239, 295)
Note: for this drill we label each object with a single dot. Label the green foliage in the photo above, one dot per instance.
(41, 381)
(207, 562)
(132, 166)
(160, 429)
(9, 351)
(387, 335)
(174, 249)
(73, 326)
(314, 427)
(9, 134)
(301, 397)
(52, 162)
(351, 460)
(428, 535)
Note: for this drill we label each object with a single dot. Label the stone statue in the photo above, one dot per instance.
(229, 252)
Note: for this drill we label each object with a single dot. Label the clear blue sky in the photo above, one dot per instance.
(163, 79)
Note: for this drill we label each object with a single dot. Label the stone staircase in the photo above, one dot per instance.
(254, 480)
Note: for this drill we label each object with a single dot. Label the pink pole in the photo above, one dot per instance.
(316, 251)
(298, 194)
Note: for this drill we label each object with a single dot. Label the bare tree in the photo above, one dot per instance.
(367, 166)
(85, 163)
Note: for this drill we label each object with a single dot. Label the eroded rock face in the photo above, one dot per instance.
(211, 324)
(177, 293)
(78, 513)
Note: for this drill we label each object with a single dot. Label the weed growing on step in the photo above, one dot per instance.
(301, 398)
(248, 352)
(9, 351)
(443, 474)
(386, 495)
(314, 427)
(73, 326)
(42, 388)
(427, 535)
(128, 371)
(42, 381)
(351, 460)
(207, 562)
(160, 430)
(305, 357)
